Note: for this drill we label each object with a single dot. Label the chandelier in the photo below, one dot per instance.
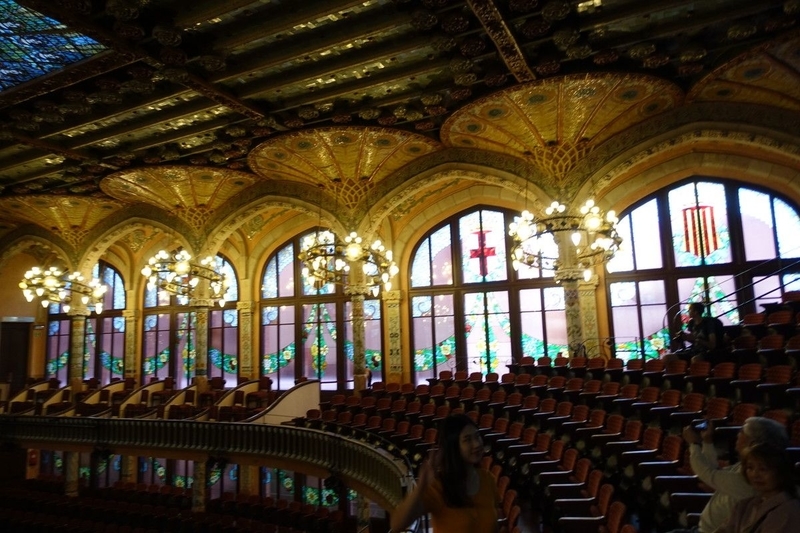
(327, 259)
(592, 233)
(177, 274)
(53, 286)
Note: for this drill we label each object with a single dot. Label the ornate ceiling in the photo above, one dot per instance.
(188, 103)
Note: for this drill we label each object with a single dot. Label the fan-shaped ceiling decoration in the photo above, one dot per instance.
(348, 160)
(555, 122)
(768, 76)
(191, 193)
(71, 217)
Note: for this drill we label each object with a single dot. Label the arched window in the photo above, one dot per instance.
(702, 240)
(307, 331)
(170, 333)
(223, 331)
(469, 309)
(104, 336)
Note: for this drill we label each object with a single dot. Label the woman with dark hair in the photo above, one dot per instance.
(458, 494)
(775, 508)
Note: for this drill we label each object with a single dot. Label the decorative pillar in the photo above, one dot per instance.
(246, 368)
(199, 487)
(71, 473)
(132, 323)
(357, 292)
(587, 301)
(201, 345)
(77, 347)
(394, 360)
(249, 479)
(128, 471)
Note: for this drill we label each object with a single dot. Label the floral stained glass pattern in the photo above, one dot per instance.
(32, 45)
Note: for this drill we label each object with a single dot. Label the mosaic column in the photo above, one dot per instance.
(587, 301)
(393, 361)
(71, 473)
(357, 293)
(77, 346)
(132, 324)
(199, 487)
(573, 313)
(246, 368)
(201, 345)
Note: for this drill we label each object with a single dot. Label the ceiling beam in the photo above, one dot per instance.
(507, 46)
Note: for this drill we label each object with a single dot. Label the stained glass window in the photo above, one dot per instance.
(34, 45)
(729, 249)
(306, 330)
(469, 309)
(223, 330)
(105, 334)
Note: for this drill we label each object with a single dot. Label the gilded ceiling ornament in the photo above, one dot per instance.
(741, 31)
(173, 56)
(217, 157)
(107, 84)
(548, 67)
(400, 111)
(46, 106)
(6, 135)
(423, 20)
(27, 126)
(137, 87)
(496, 79)
(791, 7)
(461, 94)
(466, 79)
(472, 47)
(127, 30)
(443, 43)
(243, 142)
(75, 108)
(522, 6)
(123, 9)
(104, 97)
(430, 98)
(170, 154)
(555, 10)
(579, 51)
(212, 63)
(50, 118)
(369, 113)
(342, 118)
(605, 57)
(425, 125)
(175, 74)
(167, 35)
(455, 23)
(566, 38)
(641, 50)
(460, 64)
(778, 23)
(152, 159)
(74, 96)
(413, 114)
(236, 165)
(656, 61)
(435, 110)
(387, 120)
(293, 122)
(198, 160)
(236, 131)
(690, 69)
(534, 28)
(260, 131)
(268, 121)
(692, 54)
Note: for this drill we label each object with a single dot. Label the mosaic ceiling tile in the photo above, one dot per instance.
(767, 76)
(554, 122)
(191, 193)
(72, 217)
(349, 161)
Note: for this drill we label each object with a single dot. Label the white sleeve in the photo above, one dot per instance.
(704, 464)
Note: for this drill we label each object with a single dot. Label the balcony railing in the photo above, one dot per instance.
(361, 466)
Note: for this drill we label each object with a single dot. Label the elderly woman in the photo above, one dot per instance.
(775, 507)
